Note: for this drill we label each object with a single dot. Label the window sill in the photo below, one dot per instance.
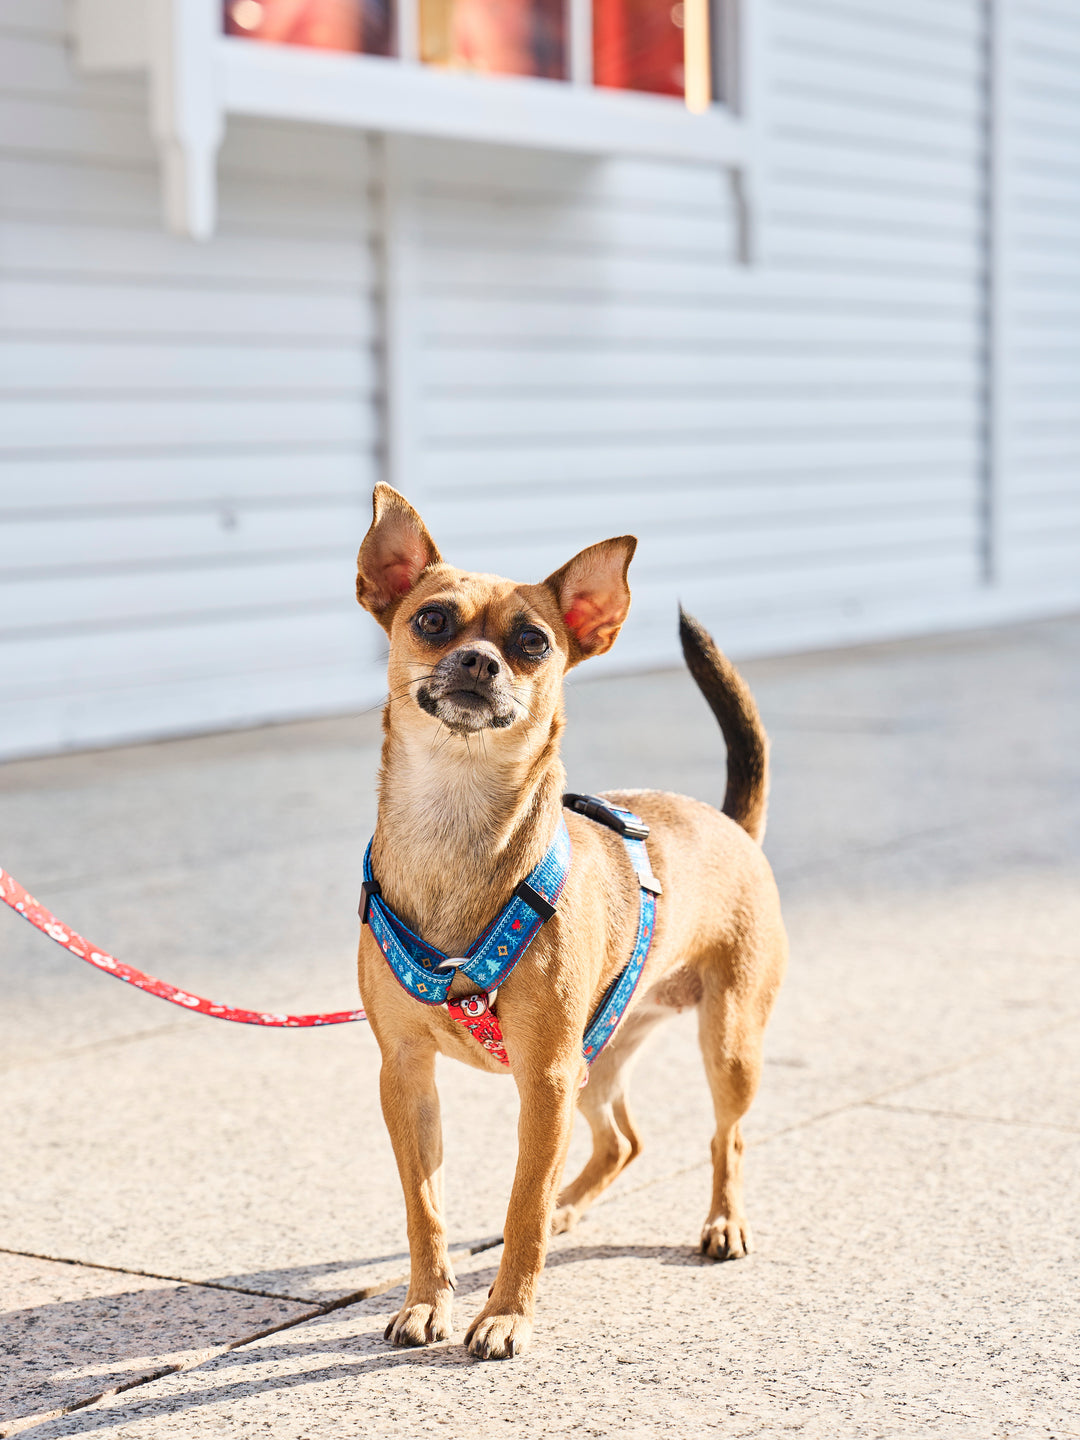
(198, 77)
(372, 93)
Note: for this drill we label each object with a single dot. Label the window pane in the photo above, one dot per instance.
(505, 37)
(638, 45)
(364, 25)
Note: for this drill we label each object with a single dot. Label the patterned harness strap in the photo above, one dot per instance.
(620, 992)
(427, 972)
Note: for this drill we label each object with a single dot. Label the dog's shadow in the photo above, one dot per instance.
(265, 1366)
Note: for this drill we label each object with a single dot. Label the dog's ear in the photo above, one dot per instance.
(593, 595)
(395, 553)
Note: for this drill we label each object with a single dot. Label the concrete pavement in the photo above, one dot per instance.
(210, 1215)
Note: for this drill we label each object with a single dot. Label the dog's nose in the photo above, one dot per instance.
(478, 665)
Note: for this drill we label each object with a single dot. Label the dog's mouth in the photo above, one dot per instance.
(466, 711)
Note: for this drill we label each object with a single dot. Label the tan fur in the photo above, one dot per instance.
(469, 800)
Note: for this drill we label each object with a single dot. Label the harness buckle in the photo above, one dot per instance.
(593, 808)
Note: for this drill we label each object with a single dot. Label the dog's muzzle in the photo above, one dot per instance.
(469, 690)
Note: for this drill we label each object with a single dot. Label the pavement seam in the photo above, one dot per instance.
(868, 1102)
(204, 1357)
(966, 1115)
(353, 1296)
(156, 1275)
(93, 1045)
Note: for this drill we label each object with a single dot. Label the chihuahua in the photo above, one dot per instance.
(470, 800)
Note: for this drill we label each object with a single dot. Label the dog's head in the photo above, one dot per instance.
(478, 652)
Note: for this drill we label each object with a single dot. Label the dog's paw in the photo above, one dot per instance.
(420, 1324)
(564, 1218)
(725, 1239)
(498, 1337)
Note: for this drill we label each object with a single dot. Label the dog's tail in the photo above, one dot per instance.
(728, 694)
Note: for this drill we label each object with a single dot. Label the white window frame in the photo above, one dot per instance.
(199, 76)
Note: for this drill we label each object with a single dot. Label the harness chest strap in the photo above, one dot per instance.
(426, 972)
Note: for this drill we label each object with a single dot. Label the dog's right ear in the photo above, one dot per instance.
(395, 553)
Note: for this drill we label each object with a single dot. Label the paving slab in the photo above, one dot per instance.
(926, 830)
(138, 810)
(71, 1332)
(260, 1158)
(1037, 1083)
(934, 1300)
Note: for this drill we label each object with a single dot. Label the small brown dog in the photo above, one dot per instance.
(480, 660)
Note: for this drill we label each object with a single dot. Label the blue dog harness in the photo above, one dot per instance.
(427, 972)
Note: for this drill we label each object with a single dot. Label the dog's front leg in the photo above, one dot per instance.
(504, 1326)
(410, 1104)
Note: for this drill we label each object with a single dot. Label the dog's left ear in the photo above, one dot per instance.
(395, 552)
(593, 595)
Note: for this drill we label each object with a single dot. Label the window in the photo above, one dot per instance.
(659, 47)
(364, 26)
(667, 79)
(502, 37)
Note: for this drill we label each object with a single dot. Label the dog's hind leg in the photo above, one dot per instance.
(731, 1025)
(603, 1102)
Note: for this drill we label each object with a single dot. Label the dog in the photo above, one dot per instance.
(471, 801)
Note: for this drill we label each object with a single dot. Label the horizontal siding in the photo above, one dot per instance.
(38, 485)
(1041, 498)
(188, 433)
(471, 472)
(788, 439)
(111, 366)
(77, 425)
(179, 675)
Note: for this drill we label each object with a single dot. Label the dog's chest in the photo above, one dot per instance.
(453, 799)
(443, 832)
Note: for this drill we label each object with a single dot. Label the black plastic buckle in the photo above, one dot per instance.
(368, 890)
(599, 810)
(533, 898)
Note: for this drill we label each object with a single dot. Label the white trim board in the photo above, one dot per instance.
(199, 76)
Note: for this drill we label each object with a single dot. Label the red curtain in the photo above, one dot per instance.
(638, 45)
(363, 25)
(501, 37)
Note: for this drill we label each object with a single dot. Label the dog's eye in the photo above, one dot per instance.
(430, 622)
(533, 642)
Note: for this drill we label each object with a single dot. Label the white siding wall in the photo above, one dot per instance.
(187, 433)
(1041, 494)
(799, 445)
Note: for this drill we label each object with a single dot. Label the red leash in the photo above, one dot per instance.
(13, 894)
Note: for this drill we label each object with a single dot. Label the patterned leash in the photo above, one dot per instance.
(24, 904)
